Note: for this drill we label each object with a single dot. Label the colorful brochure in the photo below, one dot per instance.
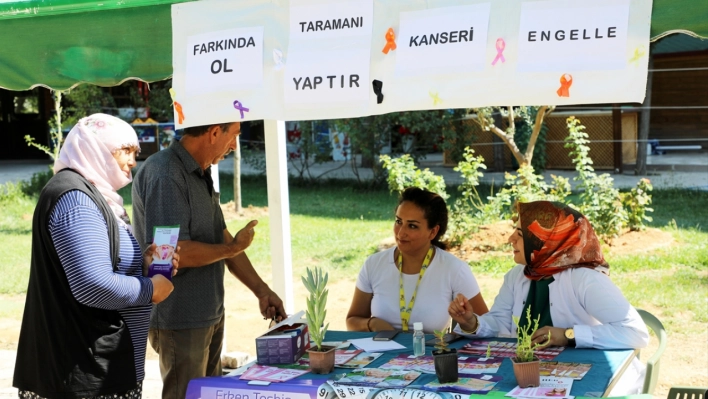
(341, 356)
(506, 349)
(551, 387)
(258, 372)
(361, 360)
(165, 237)
(378, 378)
(466, 383)
(426, 364)
(575, 371)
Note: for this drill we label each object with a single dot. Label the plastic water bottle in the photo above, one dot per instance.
(418, 340)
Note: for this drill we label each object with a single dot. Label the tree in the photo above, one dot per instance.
(56, 135)
(370, 134)
(485, 120)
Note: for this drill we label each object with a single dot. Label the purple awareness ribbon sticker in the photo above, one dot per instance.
(240, 107)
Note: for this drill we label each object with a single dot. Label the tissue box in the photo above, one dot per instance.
(284, 343)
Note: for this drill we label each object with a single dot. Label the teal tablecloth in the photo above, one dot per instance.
(605, 363)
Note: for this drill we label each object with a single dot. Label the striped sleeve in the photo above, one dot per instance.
(79, 233)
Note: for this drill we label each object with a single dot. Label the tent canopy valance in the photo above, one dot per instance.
(61, 43)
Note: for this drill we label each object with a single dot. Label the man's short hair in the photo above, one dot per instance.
(196, 131)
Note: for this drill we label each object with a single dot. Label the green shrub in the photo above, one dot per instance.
(36, 183)
(11, 192)
(600, 201)
(637, 202)
(403, 173)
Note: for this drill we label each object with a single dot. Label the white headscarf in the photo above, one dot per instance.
(88, 149)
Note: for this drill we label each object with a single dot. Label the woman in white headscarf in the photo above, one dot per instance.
(87, 312)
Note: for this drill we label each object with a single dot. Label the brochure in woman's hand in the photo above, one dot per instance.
(165, 237)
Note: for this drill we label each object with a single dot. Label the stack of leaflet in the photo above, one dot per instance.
(575, 371)
(379, 378)
(361, 360)
(426, 364)
(551, 387)
(466, 383)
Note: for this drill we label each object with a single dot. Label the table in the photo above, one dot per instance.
(607, 367)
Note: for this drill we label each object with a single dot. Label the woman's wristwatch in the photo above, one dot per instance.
(570, 336)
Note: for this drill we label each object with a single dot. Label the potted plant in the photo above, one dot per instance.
(445, 359)
(321, 357)
(527, 367)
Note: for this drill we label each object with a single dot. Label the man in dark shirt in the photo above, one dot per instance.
(174, 187)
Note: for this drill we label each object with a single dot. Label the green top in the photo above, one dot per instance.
(60, 43)
(539, 302)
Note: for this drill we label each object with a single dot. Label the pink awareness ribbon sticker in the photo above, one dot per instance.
(240, 107)
(501, 44)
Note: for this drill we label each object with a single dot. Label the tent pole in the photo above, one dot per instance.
(279, 212)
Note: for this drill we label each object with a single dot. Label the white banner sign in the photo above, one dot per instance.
(332, 20)
(444, 40)
(342, 76)
(227, 60)
(562, 37)
(328, 57)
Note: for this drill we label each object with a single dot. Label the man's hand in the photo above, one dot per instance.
(271, 306)
(161, 288)
(243, 238)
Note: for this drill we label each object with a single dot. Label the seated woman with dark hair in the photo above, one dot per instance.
(414, 281)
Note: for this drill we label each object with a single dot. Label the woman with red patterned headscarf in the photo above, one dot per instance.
(563, 278)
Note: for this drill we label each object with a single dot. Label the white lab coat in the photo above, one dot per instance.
(581, 298)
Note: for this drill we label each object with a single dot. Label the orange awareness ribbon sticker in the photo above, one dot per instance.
(178, 106)
(390, 41)
(180, 114)
(566, 80)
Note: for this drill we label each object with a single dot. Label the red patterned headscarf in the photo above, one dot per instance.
(557, 237)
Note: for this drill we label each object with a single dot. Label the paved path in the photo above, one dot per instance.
(677, 170)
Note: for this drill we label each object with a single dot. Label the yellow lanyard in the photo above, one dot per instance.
(406, 311)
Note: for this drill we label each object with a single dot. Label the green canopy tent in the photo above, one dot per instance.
(61, 43)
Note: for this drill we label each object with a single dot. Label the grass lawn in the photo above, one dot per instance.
(337, 226)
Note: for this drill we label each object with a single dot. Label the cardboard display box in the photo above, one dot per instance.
(285, 342)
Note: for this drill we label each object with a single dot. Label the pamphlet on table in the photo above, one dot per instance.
(426, 364)
(466, 383)
(551, 387)
(575, 371)
(379, 378)
(369, 345)
(505, 349)
(361, 360)
(258, 372)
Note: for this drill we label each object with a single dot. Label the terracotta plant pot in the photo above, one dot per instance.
(528, 374)
(446, 366)
(322, 362)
